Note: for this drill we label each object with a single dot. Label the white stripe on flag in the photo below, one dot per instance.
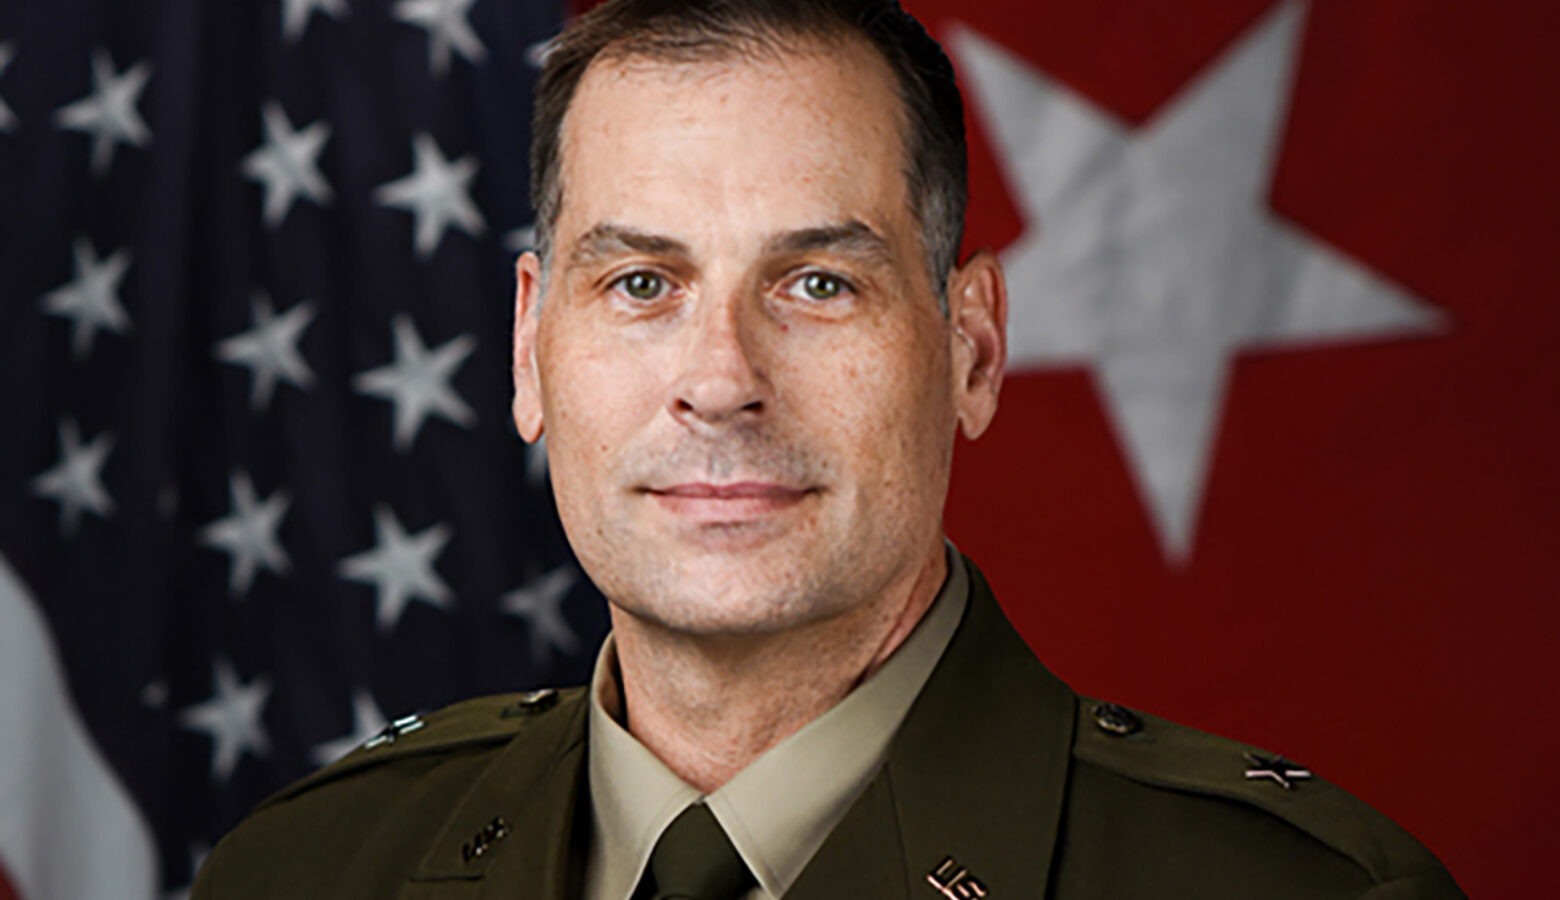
(68, 828)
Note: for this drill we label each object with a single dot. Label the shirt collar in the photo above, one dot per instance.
(779, 809)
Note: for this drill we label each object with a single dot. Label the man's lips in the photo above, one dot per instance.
(738, 491)
(728, 503)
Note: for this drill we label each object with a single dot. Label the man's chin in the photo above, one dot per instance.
(742, 585)
(754, 616)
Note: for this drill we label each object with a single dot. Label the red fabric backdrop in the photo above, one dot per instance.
(1372, 586)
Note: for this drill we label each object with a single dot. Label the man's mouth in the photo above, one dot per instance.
(731, 503)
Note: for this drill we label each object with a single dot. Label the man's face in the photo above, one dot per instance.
(748, 390)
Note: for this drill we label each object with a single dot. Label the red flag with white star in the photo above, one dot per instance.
(1276, 450)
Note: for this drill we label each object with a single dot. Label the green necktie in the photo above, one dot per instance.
(694, 860)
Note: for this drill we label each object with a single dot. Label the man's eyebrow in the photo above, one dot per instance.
(852, 238)
(608, 239)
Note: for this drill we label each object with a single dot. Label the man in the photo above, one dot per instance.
(746, 338)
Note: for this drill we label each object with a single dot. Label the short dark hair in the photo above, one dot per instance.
(936, 165)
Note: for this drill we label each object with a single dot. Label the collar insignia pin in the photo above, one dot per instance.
(1276, 769)
(400, 727)
(490, 834)
(955, 882)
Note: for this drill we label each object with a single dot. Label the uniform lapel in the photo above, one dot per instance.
(520, 813)
(976, 774)
(864, 855)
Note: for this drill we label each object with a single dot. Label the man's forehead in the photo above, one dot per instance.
(799, 72)
(808, 141)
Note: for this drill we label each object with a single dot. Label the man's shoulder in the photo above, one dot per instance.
(367, 820)
(1184, 793)
(468, 728)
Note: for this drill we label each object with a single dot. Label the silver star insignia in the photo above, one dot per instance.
(75, 482)
(109, 113)
(418, 382)
(435, 193)
(540, 603)
(7, 117)
(295, 15)
(400, 567)
(248, 534)
(91, 300)
(270, 350)
(1276, 769)
(447, 27)
(231, 718)
(287, 164)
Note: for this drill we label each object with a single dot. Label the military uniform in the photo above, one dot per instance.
(1000, 782)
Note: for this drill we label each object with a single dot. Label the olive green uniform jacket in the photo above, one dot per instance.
(1001, 782)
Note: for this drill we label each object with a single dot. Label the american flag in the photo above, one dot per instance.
(259, 492)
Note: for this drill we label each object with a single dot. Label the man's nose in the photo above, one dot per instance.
(721, 378)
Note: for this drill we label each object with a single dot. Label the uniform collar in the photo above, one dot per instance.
(977, 773)
(782, 807)
(633, 795)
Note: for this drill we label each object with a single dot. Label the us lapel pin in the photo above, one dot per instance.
(955, 882)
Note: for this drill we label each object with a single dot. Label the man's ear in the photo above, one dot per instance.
(977, 313)
(528, 388)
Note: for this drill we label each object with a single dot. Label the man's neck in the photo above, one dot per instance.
(708, 706)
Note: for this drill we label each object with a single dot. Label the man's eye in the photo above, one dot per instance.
(642, 285)
(818, 286)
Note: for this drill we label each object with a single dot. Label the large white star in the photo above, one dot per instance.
(270, 350)
(7, 117)
(367, 721)
(540, 603)
(91, 299)
(418, 382)
(287, 164)
(295, 15)
(400, 567)
(248, 534)
(76, 481)
(231, 718)
(447, 27)
(1153, 256)
(109, 113)
(435, 194)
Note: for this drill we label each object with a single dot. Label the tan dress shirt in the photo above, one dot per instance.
(779, 809)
